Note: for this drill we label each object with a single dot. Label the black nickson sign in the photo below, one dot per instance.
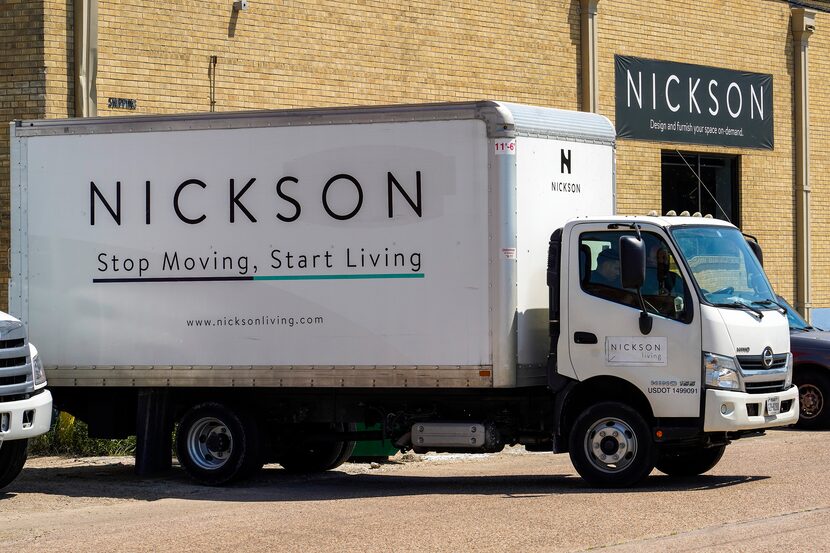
(695, 104)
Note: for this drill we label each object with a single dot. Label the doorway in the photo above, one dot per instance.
(715, 192)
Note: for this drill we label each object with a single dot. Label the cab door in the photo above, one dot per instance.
(603, 330)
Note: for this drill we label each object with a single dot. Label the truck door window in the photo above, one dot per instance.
(664, 290)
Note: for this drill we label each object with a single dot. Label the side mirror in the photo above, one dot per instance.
(756, 249)
(633, 274)
(632, 262)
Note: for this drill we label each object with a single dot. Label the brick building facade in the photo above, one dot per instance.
(204, 55)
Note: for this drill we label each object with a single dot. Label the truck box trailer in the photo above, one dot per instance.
(267, 280)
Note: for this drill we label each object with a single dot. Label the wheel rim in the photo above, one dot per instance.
(209, 443)
(811, 400)
(611, 445)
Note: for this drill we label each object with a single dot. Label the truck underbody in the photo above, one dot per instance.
(324, 421)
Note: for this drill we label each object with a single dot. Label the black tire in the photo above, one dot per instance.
(315, 456)
(217, 445)
(814, 395)
(604, 431)
(12, 458)
(689, 462)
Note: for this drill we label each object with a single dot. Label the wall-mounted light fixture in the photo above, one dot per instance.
(240, 5)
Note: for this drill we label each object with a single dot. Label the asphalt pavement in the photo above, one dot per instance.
(768, 493)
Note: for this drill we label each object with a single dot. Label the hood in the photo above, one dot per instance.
(733, 332)
(7, 317)
(810, 339)
(750, 334)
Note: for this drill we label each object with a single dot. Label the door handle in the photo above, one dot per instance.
(585, 338)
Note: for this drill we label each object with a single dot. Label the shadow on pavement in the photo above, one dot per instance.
(274, 484)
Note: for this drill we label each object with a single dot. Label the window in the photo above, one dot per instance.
(664, 291)
(726, 270)
(715, 193)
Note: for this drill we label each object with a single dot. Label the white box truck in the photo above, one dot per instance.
(268, 280)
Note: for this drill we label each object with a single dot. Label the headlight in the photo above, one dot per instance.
(789, 380)
(37, 370)
(721, 372)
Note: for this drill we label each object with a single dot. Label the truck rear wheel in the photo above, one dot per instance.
(690, 462)
(813, 395)
(316, 456)
(611, 446)
(216, 445)
(12, 458)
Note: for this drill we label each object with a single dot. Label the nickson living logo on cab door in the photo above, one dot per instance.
(636, 350)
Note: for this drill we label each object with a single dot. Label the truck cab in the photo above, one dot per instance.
(696, 340)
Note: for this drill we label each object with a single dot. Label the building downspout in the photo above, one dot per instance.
(588, 30)
(86, 57)
(803, 26)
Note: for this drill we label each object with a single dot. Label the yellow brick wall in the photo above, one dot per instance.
(281, 54)
(735, 34)
(819, 77)
(58, 52)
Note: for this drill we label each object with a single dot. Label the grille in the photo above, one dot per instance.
(9, 380)
(10, 344)
(15, 373)
(764, 387)
(756, 362)
(13, 362)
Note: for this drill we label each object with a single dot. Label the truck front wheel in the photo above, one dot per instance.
(12, 458)
(611, 446)
(689, 462)
(216, 445)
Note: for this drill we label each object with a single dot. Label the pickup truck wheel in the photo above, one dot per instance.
(611, 446)
(216, 445)
(316, 457)
(814, 393)
(689, 462)
(12, 458)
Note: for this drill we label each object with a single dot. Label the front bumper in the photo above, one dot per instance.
(748, 411)
(26, 418)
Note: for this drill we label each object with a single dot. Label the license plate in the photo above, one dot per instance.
(773, 405)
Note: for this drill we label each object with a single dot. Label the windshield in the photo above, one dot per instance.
(725, 269)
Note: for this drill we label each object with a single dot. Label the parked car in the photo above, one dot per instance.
(811, 372)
